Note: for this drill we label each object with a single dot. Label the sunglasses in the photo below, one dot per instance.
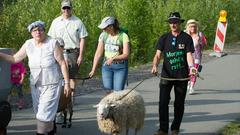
(174, 41)
(66, 8)
(174, 22)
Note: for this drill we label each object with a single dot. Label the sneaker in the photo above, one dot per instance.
(175, 132)
(191, 91)
(159, 132)
(59, 118)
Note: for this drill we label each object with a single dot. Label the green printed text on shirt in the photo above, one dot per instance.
(176, 59)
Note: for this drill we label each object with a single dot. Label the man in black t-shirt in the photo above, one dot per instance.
(176, 47)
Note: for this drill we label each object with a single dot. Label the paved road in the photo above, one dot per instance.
(216, 103)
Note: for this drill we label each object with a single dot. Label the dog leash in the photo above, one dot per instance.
(83, 79)
(158, 75)
(132, 89)
(195, 73)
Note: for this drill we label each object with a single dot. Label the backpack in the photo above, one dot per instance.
(202, 39)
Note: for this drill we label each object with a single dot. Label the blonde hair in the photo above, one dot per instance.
(191, 21)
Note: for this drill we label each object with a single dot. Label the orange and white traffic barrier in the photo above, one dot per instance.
(220, 35)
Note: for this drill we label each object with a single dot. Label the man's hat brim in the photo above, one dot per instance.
(175, 20)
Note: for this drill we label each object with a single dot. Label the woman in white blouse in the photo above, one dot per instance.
(45, 57)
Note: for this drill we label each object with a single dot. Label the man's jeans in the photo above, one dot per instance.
(114, 76)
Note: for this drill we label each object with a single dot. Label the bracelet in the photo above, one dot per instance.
(66, 82)
(190, 66)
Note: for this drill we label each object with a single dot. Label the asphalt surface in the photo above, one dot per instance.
(215, 104)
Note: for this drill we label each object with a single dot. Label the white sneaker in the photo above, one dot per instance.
(188, 87)
(191, 91)
(189, 83)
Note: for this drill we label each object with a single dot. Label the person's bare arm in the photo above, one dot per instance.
(58, 54)
(81, 51)
(155, 62)
(19, 56)
(190, 62)
(97, 56)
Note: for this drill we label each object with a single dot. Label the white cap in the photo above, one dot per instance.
(106, 22)
(66, 3)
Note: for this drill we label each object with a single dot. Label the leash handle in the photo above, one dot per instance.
(195, 73)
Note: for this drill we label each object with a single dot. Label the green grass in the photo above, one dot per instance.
(232, 128)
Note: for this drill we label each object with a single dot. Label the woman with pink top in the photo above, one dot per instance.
(199, 40)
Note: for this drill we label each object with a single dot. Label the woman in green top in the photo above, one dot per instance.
(114, 43)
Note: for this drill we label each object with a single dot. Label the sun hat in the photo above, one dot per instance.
(106, 22)
(66, 3)
(175, 17)
(36, 24)
(192, 21)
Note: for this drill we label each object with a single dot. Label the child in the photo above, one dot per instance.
(199, 41)
(17, 75)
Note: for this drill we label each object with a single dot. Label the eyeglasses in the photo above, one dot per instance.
(66, 8)
(38, 30)
(174, 41)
